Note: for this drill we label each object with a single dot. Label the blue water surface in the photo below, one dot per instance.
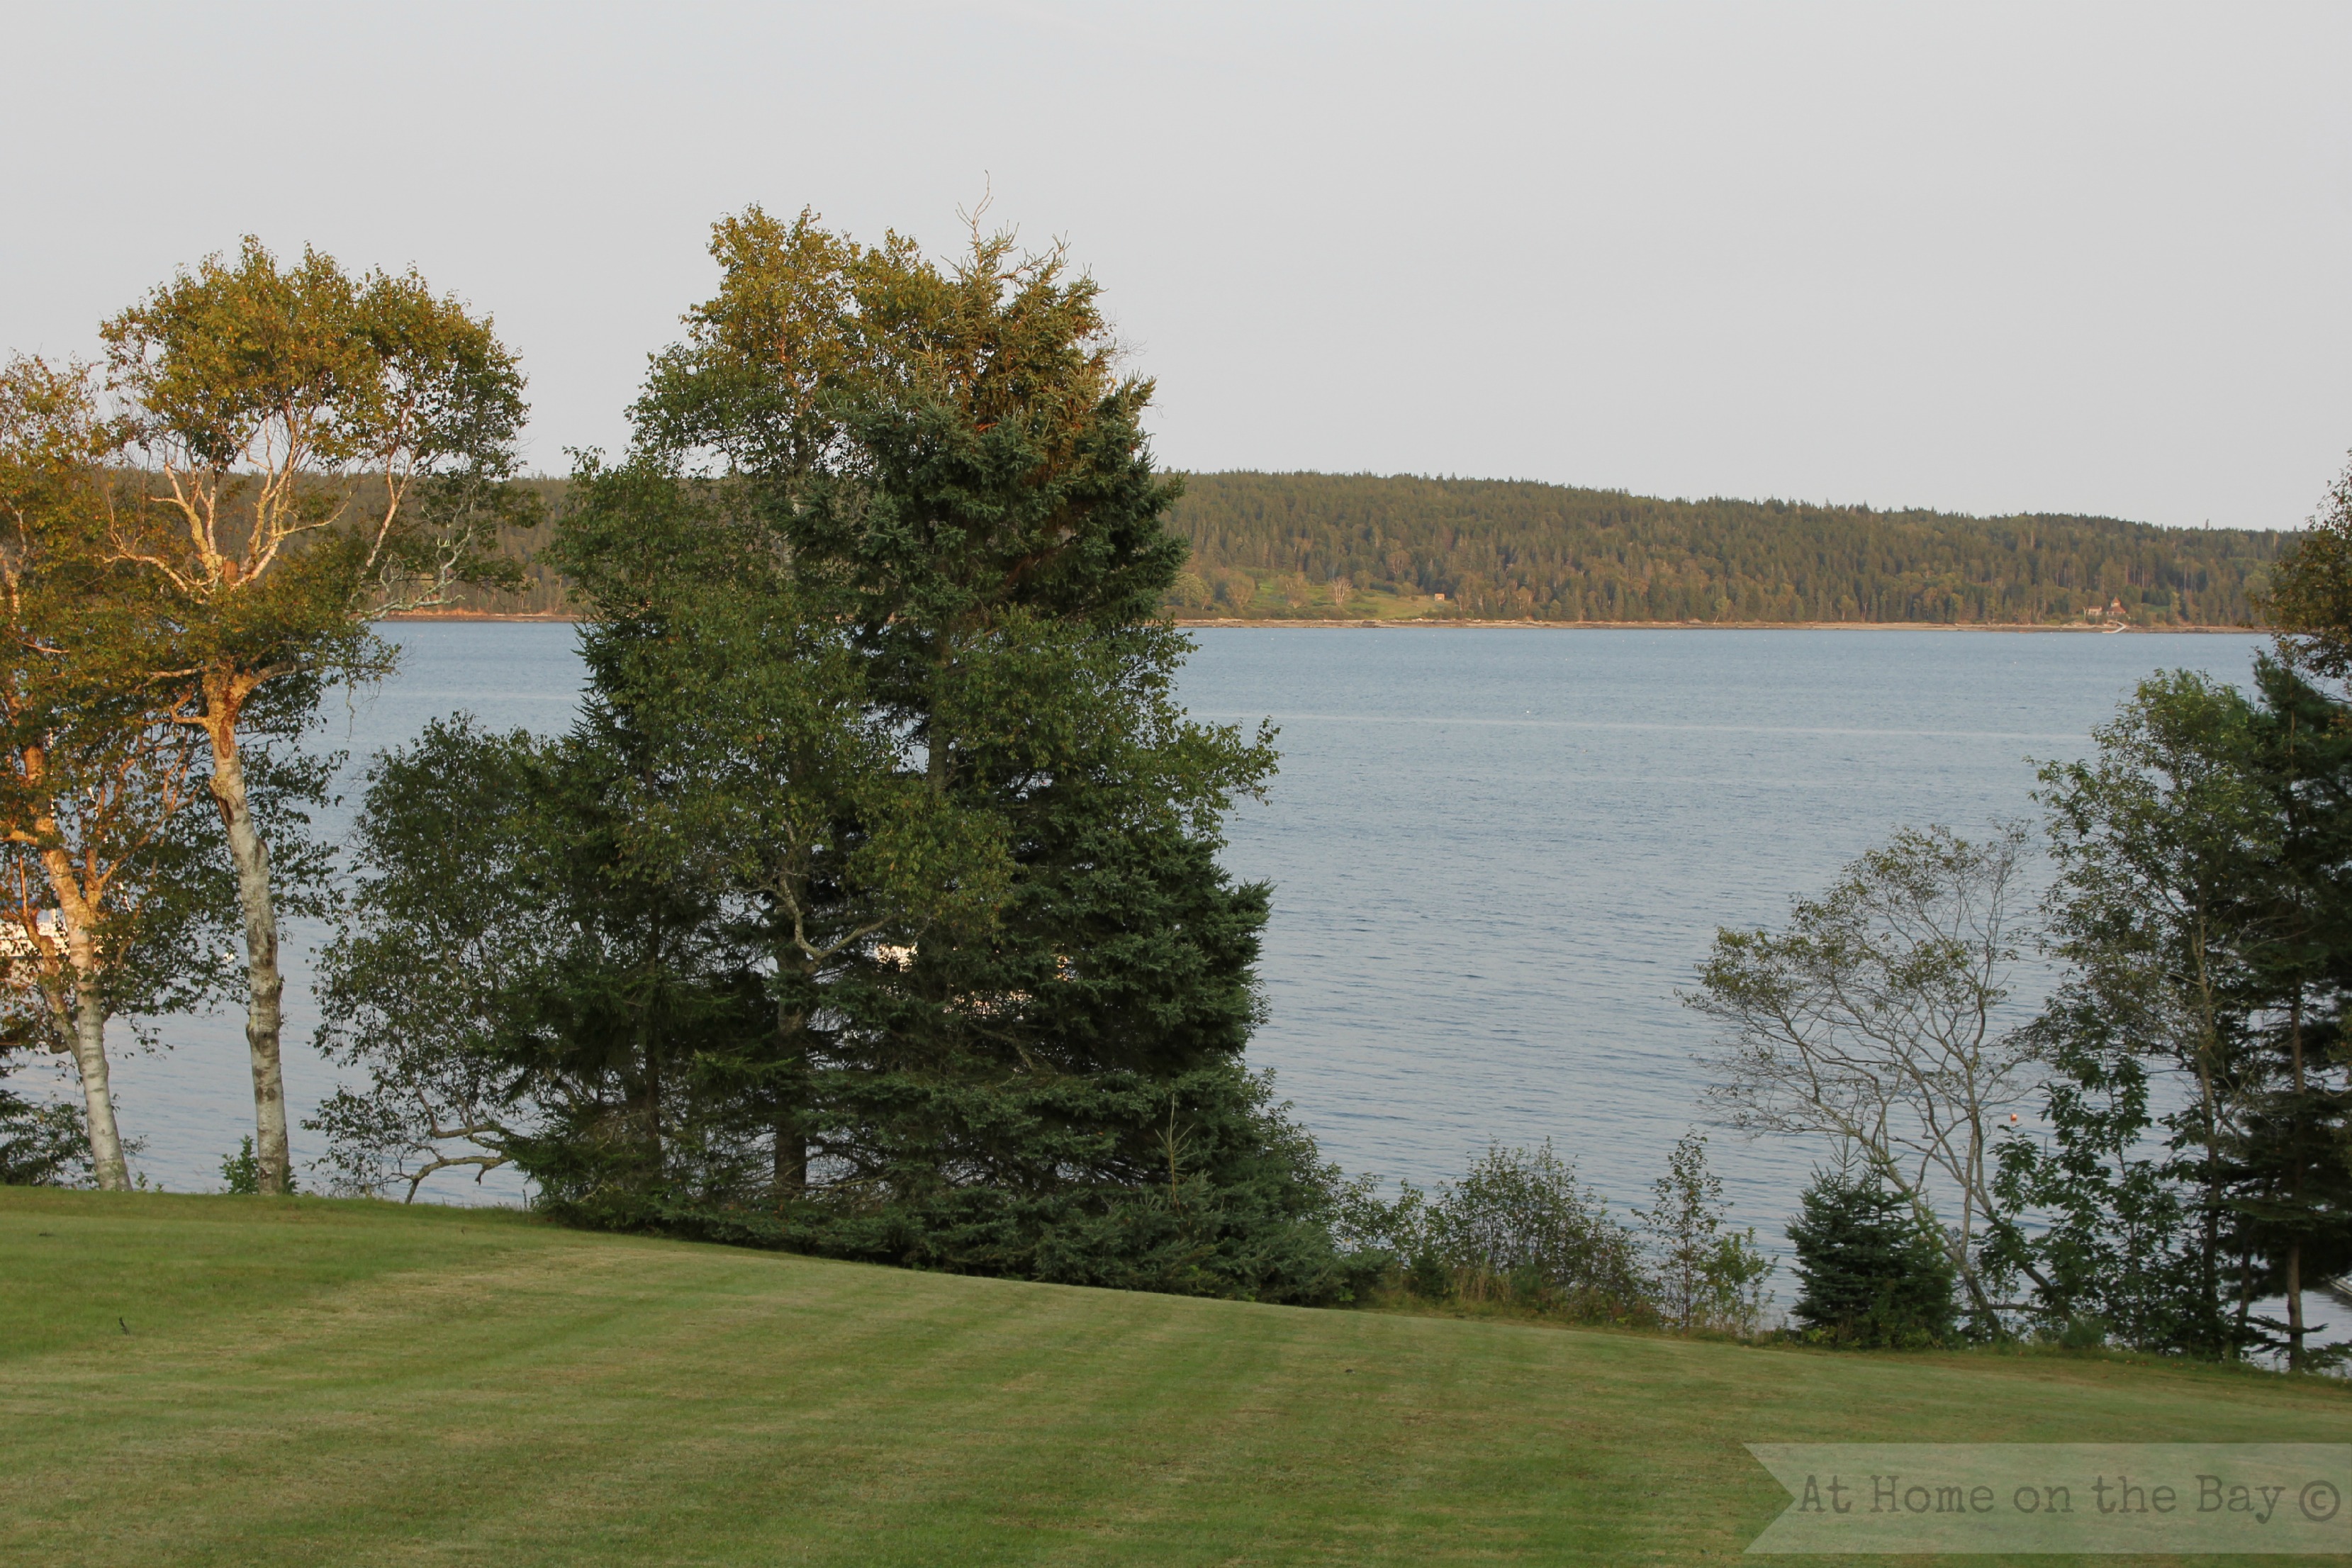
(1496, 854)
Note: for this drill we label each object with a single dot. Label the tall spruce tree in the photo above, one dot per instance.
(882, 711)
(2310, 601)
(2295, 1201)
(2204, 860)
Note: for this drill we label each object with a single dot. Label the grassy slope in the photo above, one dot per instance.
(323, 1383)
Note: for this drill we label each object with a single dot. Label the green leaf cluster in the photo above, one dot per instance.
(1519, 1227)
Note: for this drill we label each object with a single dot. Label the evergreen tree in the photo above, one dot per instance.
(904, 854)
(1871, 1275)
(2204, 856)
(2295, 1197)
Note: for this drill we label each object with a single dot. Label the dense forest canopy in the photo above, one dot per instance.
(1514, 549)
(1313, 546)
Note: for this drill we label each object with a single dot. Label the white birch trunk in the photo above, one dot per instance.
(97, 1091)
(265, 985)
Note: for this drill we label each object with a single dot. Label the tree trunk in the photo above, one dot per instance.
(83, 1022)
(2208, 1064)
(2294, 1330)
(98, 1096)
(792, 1133)
(792, 1160)
(935, 744)
(265, 1012)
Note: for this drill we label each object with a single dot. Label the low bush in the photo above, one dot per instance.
(1517, 1230)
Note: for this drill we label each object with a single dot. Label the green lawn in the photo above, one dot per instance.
(214, 1380)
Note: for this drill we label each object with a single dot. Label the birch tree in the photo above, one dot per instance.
(105, 903)
(312, 443)
(1878, 1016)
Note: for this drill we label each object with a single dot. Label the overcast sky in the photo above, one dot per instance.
(1975, 257)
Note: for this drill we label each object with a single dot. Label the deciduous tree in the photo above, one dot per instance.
(1708, 1276)
(2310, 595)
(1878, 1017)
(106, 902)
(2161, 839)
(321, 448)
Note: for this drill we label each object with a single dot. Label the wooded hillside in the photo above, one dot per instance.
(1273, 543)
(1277, 545)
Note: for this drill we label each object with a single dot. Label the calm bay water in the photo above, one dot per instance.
(1495, 855)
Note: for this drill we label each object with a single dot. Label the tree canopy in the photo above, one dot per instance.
(873, 906)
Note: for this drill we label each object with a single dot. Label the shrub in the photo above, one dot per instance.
(1518, 1229)
(42, 1145)
(1708, 1276)
(242, 1170)
(2084, 1333)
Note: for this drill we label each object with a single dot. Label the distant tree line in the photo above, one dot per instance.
(1321, 546)
(1275, 544)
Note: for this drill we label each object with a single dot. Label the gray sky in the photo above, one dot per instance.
(1977, 257)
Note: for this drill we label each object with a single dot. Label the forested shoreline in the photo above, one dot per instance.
(1307, 546)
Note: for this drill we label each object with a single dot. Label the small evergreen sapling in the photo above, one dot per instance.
(1872, 1275)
